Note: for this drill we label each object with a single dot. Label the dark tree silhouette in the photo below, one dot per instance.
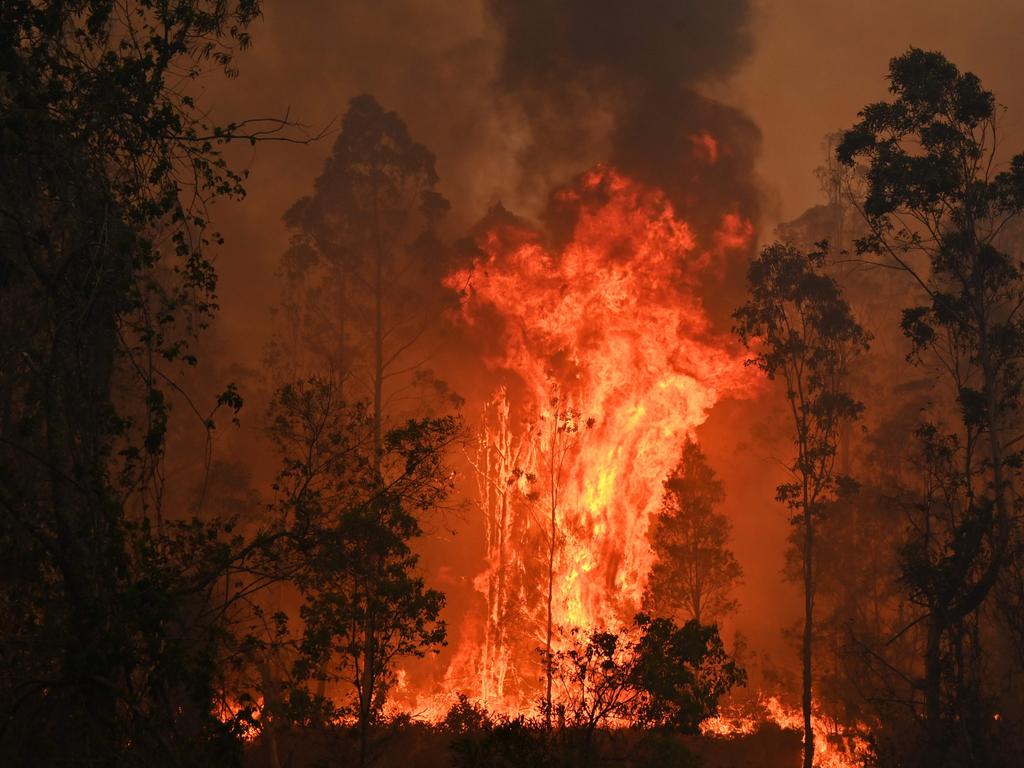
(364, 242)
(939, 208)
(656, 674)
(695, 571)
(353, 521)
(365, 239)
(803, 332)
(107, 166)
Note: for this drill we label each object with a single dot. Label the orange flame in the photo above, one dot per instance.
(834, 745)
(609, 328)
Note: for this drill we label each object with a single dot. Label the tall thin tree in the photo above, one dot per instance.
(366, 238)
(803, 331)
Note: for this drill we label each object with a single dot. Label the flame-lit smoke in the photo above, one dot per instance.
(603, 334)
(625, 82)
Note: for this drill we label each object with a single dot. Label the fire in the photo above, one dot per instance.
(610, 356)
(247, 715)
(834, 745)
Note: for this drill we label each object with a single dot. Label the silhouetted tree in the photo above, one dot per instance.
(939, 207)
(695, 571)
(353, 516)
(804, 333)
(107, 166)
(683, 671)
(558, 436)
(655, 674)
(365, 237)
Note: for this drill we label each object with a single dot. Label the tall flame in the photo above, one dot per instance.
(610, 352)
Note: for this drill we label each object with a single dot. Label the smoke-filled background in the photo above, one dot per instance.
(515, 98)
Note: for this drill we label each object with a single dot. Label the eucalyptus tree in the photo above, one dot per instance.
(803, 332)
(364, 242)
(941, 207)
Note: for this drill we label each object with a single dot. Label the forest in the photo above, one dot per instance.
(560, 447)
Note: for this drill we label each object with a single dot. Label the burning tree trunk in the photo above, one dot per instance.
(806, 696)
(501, 462)
(562, 430)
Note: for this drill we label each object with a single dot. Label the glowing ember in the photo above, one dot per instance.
(608, 328)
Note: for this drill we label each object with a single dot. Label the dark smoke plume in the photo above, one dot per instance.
(620, 82)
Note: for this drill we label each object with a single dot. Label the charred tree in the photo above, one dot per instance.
(561, 432)
(369, 227)
(504, 488)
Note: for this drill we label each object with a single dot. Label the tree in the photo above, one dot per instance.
(695, 571)
(595, 679)
(107, 166)
(655, 674)
(560, 433)
(804, 332)
(939, 207)
(365, 238)
(352, 526)
(683, 671)
(502, 485)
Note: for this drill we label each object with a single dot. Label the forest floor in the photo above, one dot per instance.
(417, 746)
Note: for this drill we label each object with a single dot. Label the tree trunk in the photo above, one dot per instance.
(378, 365)
(808, 633)
(366, 700)
(551, 589)
(933, 688)
(272, 705)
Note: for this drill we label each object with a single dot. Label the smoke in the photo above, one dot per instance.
(621, 83)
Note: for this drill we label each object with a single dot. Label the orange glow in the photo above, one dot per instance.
(608, 327)
(229, 708)
(834, 745)
(706, 145)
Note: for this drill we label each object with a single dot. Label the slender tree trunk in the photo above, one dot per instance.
(366, 693)
(933, 687)
(551, 590)
(272, 704)
(378, 343)
(808, 629)
(555, 477)
(501, 607)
